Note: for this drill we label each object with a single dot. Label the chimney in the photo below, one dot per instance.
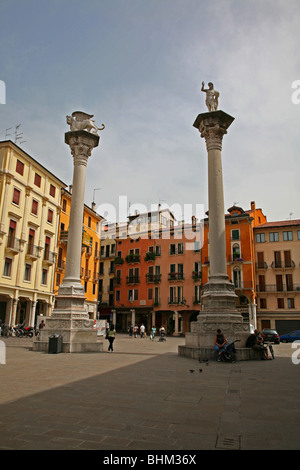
(253, 205)
(70, 188)
(93, 206)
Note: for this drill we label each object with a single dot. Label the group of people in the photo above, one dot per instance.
(134, 331)
(254, 341)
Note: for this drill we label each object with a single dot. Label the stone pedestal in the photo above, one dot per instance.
(219, 298)
(69, 319)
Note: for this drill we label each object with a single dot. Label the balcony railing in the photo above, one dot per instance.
(132, 258)
(234, 258)
(61, 264)
(278, 288)
(132, 279)
(13, 244)
(85, 273)
(49, 257)
(261, 265)
(176, 301)
(155, 278)
(283, 264)
(32, 251)
(175, 277)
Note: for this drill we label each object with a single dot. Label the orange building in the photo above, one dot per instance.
(240, 252)
(91, 232)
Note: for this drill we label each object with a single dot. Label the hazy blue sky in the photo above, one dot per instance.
(137, 65)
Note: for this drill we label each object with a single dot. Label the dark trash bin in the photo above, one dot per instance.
(55, 344)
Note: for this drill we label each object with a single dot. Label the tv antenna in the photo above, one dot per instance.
(6, 133)
(97, 189)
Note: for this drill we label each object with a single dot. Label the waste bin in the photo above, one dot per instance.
(55, 344)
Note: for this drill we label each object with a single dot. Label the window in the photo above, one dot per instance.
(236, 252)
(34, 207)
(291, 303)
(50, 216)
(263, 303)
(89, 222)
(64, 205)
(44, 276)
(58, 279)
(20, 167)
(27, 274)
(274, 237)
(7, 267)
(117, 296)
(150, 294)
(235, 234)
(52, 190)
(133, 294)
(260, 238)
(16, 196)
(280, 303)
(288, 236)
(180, 248)
(37, 180)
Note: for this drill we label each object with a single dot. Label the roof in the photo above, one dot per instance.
(10, 142)
(279, 223)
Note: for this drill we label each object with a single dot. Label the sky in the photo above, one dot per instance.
(137, 66)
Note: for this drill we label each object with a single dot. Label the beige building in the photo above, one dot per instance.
(277, 251)
(30, 198)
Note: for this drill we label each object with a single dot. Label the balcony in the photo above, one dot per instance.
(32, 251)
(150, 256)
(175, 277)
(132, 258)
(277, 288)
(239, 285)
(261, 265)
(235, 258)
(85, 273)
(61, 264)
(196, 301)
(132, 279)
(13, 245)
(176, 301)
(95, 276)
(196, 276)
(119, 260)
(64, 235)
(155, 278)
(49, 257)
(289, 264)
(117, 281)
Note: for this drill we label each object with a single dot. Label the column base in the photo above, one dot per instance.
(70, 320)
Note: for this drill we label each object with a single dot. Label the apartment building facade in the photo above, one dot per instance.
(90, 252)
(240, 254)
(30, 197)
(277, 247)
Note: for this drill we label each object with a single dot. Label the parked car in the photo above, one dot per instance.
(270, 335)
(290, 337)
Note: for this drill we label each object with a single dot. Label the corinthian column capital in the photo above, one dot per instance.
(81, 144)
(212, 127)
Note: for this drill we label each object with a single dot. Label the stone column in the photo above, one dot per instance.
(218, 292)
(219, 298)
(70, 319)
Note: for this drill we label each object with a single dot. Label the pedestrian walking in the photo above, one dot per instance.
(142, 330)
(111, 337)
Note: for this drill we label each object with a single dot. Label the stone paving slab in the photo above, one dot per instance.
(143, 396)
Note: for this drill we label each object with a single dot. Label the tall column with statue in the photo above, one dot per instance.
(218, 298)
(69, 318)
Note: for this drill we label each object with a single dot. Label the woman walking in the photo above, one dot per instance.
(111, 337)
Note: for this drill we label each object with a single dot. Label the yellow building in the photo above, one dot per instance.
(90, 253)
(29, 215)
(277, 250)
